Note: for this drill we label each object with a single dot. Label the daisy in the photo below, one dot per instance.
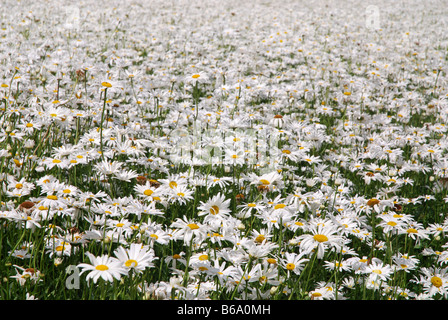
(103, 266)
(180, 194)
(243, 276)
(267, 180)
(158, 235)
(59, 247)
(391, 224)
(436, 229)
(433, 280)
(293, 262)
(337, 265)
(122, 226)
(234, 157)
(172, 182)
(276, 219)
(110, 85)
(137, 257)
(222, 182)
(405, 262)
(215, 209)
(322, 238)
(246, 210)
(296, 224)
(147, 191)
(11, 134)
(126, 175)
(67, 191)
(55, 162)
(415, 231)
(377, 270)
(199, 77)
(322, 293)
(138, 208)
(189, 230)
(18, 188)
(77, 158)
(26, 274)
(269, 275)
(52, 201)
(262, 235)
(311, 159)
(21, 253)
(108, 168)
(200, 259)
(176, 258)
(259, 250)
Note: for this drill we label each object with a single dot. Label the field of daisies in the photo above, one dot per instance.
(223, 150)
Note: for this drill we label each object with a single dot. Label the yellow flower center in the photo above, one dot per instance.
(19, 186)
(290, 266)
(101, 267)
(436, 281)
(372, 202)
(148, 192)
(195, 76)
(320, 238)
(106, 84)
(62, 246)
(214, 210)
(173, 184)
(52, 197)
(193, 226)
(260, 238)
(265, 182)
(203, 257)
(280, 206)
(131, 263)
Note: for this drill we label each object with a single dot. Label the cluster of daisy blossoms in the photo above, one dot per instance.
(223, 150)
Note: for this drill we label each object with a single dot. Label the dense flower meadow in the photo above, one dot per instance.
(223, 150)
